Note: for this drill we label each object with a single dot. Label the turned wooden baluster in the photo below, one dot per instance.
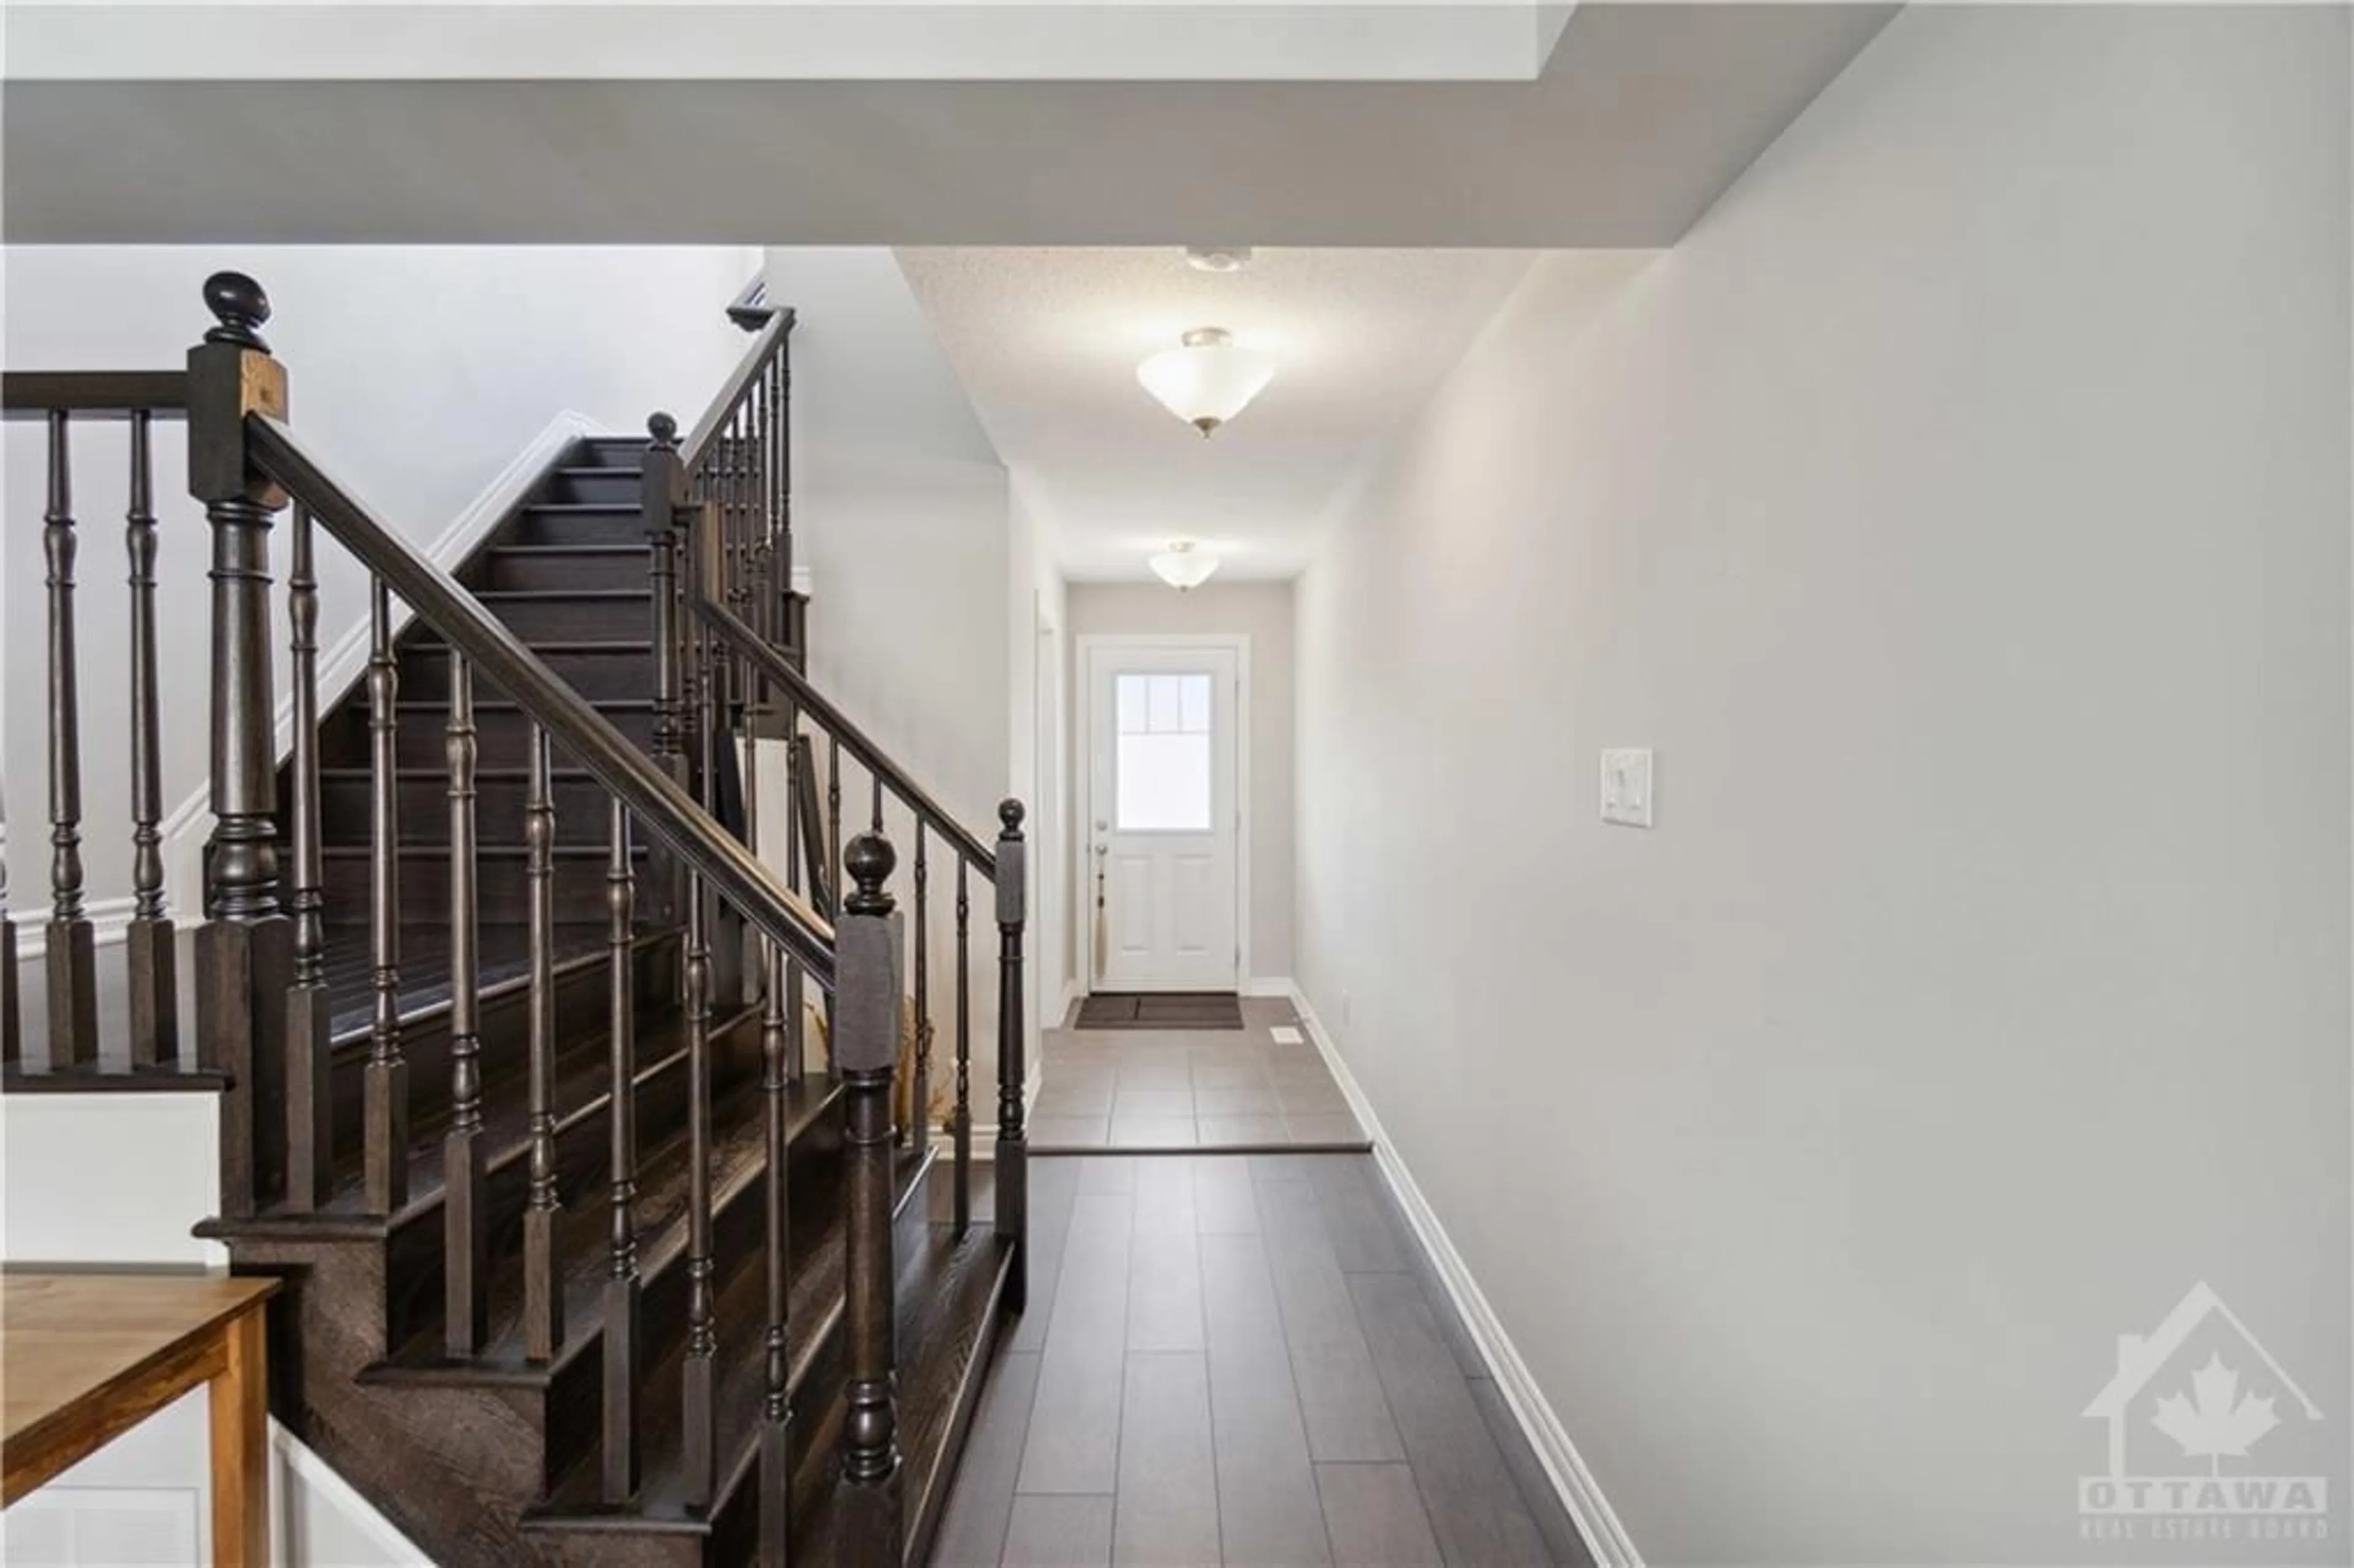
(150, 957)
(866, 1015)
(920, 1102)
(961, 1125)
(384, 1082)
(310, 1011)
(1012, 1172)
(12, 1039)
(542, 1278)
(621, 1286)
(765, 619)
(795, 759)
(465, 1204)
(776, 1407)
(699, 1464)
(244, 951)
(833, 806)
(72, 958)
(782, 571)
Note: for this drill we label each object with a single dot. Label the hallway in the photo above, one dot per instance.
(1246, 1360)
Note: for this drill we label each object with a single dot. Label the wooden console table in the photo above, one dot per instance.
(86, 1357)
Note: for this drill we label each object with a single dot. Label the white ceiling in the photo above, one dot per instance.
(1046, 343)
(1641, 116)
(802, 40)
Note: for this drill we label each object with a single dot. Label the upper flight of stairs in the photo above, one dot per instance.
(490, 1458)
(607, 1234)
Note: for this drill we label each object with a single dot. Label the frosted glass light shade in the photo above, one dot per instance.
(1182, 567)
(1209, 380)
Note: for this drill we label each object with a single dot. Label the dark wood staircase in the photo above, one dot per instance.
(602, 1242)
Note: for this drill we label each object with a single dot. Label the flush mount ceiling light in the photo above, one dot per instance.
(1182, 567)
(1209, 380)
(1218, 257)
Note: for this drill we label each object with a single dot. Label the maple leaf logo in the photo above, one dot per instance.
(2215, 1420)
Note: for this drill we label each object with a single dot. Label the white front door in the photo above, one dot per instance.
(1165, 804)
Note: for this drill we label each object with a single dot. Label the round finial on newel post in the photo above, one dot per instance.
(1010, 812)
(240, 306)
(662, 428)
(870, 860)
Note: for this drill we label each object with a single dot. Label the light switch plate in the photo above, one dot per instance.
(1626, 787)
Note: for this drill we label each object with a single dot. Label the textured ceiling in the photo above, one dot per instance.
(1046, 343)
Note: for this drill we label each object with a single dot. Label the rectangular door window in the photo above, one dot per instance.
(1162, 771)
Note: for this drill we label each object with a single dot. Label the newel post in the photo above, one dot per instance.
(866, 1050)
(244, 952)
(1013, 1145)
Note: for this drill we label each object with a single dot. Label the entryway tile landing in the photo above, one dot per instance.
(1183, 1090)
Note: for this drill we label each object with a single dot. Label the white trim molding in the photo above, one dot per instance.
(344, 661)
(1606, 1537)
(1083, 647)
(298, 1466)
(1271, 985)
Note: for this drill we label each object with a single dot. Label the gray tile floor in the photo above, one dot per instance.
(1190, 1088)
(1246, 1360)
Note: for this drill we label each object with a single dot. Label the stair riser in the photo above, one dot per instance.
(615, 485)
(623, 674)
(575, 617)
(624, 525)
(502, 886)
(607, 451)
(531, 569)
(413, 1253)
(502, 737)
(581, 810)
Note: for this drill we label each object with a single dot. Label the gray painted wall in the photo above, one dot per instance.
(900, 514)
(1262, 612)
(1962, 512)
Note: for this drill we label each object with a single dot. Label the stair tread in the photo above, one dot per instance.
(559, 851)
(738, 1150)
(508, 704)
(506, 595)
(947, 1298)
(441, 773)
(815, 1300)
(580, 1090)
(615, 508)
(547, 645)
(502, 959)
(582, 549)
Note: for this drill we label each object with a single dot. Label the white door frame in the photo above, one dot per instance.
(1081, 842)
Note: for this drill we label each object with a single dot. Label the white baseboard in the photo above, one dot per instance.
(109, 919)
(345, 661)
(296, 1468)
(1606, 1537)
(1270, 985)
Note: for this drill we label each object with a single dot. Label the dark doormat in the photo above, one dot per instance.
(1162, 1010)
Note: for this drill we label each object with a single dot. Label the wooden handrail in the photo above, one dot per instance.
(696, 449)
(777, 668)
(653, 798)
(94, 394)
